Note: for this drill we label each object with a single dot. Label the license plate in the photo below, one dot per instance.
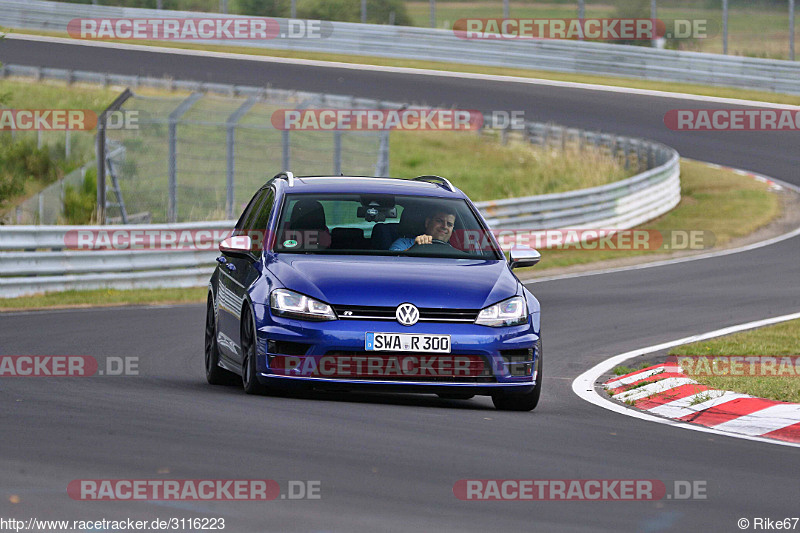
(407, 342)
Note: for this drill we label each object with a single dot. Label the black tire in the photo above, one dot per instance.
(250, 382)
(521, 402)
(215, 374)
(455, 395)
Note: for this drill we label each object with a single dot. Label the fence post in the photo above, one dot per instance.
(337, 153)
(172, 208)
(725, 27)
(791, 30)
(100, 147)
(230, 139)
(67, 145)
(382, 168)
(285, 153)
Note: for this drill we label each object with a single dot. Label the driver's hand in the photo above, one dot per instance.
(423, 239)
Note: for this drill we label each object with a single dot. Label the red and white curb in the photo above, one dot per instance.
(665, 391)
(741, 427)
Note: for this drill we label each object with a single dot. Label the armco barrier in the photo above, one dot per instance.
(26, 269)
(442, 45)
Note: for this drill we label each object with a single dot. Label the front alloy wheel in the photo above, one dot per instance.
(215, 374)
(249, 370)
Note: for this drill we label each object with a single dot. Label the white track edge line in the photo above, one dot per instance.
(584, 384)
(406, 70)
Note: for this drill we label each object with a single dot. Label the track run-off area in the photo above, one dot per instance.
(390, 462)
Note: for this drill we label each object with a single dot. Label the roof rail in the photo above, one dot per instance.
(438, 180)
(286, 175)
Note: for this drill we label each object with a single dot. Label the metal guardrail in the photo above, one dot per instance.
(619, 205)
(443, 45)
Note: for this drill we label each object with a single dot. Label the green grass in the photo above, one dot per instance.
(104, 297)
(486, 170)
(703, 90)
(777, 340)
(715, 201)
(755, 31)
(623, 370)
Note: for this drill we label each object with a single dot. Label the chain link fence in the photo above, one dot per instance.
(201, 156)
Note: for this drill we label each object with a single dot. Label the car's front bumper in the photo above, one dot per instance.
(501, 372)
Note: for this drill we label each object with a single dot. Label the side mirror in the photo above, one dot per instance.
(523, 257)
(239, 245)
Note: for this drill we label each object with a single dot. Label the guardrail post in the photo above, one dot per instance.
(230, 138)
(172, 209)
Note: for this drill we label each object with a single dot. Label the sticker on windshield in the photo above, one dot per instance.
(290, 243)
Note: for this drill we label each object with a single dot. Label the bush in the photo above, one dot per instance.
(632, 9)
(264, 8)
(80, 203)
(22, 161)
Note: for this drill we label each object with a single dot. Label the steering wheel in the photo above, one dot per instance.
(436, 242)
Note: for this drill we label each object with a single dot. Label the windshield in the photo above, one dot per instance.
(365, 224)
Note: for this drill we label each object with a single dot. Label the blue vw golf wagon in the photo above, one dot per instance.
(344, 282)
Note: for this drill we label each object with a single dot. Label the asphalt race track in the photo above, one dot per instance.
(389, 462)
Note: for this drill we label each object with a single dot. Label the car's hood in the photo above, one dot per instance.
(390, 281)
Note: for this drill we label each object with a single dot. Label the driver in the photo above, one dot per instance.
(438, 226)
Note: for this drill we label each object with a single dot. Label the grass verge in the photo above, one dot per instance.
(103, 298)
(687, 88)
(780, 339)
(721, 204)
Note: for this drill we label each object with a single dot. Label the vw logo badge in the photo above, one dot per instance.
(407, 314)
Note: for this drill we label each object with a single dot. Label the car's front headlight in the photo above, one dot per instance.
(292, 304)
(511, 312)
